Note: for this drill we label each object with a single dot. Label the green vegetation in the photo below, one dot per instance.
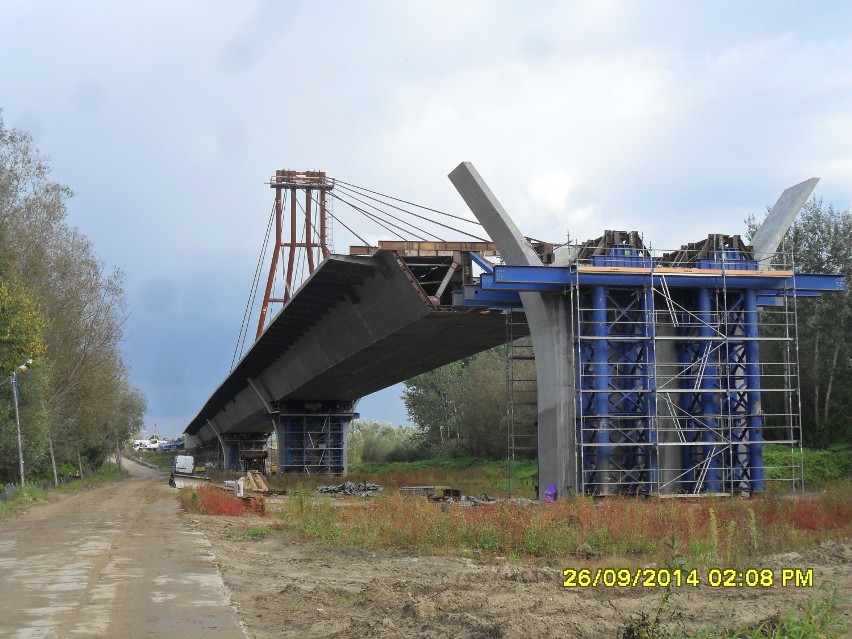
(460, 409)
(258, 530)
(821, 617)
(376, 442)
(62, 309)
(820, 466)
(162, 461)
(723, 531)
(20, 499)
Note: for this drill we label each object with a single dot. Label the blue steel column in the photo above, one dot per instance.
(289, 441)
(603, 450)
(709, 402)
(650, 386)
(755, 419)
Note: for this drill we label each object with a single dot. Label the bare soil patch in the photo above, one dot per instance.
(287, 587)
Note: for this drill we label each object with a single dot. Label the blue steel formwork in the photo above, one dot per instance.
(693, 348)
(668, 362)
(313, 438)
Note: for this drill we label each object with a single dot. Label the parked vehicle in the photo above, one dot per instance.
(146, 444)
(172, 445)
(184, 473)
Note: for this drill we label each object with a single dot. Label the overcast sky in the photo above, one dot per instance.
(166, 118)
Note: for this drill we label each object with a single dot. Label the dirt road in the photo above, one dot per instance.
(112, 561)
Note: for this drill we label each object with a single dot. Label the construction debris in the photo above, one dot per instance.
(256, 482)
(446, 496)
(357, 488)
(433, 493)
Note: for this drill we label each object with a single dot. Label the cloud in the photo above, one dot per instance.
(676, 119)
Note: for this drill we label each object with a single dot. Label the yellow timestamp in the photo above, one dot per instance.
(680, 577)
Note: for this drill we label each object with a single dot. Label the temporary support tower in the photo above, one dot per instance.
(313, 237)
(311, 437)
(668, 368)
(649, 367)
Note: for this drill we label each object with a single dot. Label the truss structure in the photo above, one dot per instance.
(312, 439)
(668, 386)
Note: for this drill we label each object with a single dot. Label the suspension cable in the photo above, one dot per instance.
(241, 338)
(339, 221)
(396, 199)
(380, 211)
(383, 222)
(451, 228)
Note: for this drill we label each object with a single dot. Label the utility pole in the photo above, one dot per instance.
(18, 424)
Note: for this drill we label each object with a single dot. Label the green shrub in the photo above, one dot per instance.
(819, 466)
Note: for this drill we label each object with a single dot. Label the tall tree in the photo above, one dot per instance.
(461, 407)
(819, 242)
(21, 328)
(84, 398)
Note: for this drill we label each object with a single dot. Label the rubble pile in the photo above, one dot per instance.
(357, 488)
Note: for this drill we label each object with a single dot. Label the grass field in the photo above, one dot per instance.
(729, 531)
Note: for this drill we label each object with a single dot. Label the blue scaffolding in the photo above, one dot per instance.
(667, 357)
(312, 437)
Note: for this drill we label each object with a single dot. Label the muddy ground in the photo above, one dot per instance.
(284, 587)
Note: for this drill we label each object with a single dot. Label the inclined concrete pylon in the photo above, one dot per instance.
(549, 320)
(768, 237)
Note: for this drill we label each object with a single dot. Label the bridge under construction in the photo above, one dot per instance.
(655, 372)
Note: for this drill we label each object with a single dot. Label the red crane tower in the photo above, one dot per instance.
(314, 240)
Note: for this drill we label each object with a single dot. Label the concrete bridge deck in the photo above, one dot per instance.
(357, 325)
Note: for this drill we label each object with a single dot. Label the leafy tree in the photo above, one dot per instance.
(432, 402)
(819, 242)
(82, 403)
(460, 408)
(375, 442)
(21, 328)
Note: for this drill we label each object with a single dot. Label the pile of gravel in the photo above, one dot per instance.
(358, 488)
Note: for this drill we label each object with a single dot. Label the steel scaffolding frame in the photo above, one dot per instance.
(314, 441)
(668, 393)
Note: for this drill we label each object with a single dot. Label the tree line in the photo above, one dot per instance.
(820, 241)
(63, 309)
